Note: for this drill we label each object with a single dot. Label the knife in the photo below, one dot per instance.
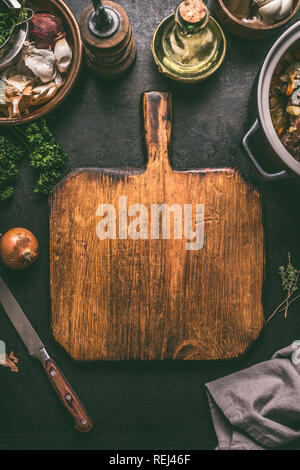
(37, 350)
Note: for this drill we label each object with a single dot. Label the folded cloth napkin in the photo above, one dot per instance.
(258, 408)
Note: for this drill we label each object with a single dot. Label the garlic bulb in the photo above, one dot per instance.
(41, 62)
(63, 55)
(34, 79)
(274, 10)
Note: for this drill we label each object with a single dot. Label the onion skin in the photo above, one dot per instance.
(18, 248)
(45, 29)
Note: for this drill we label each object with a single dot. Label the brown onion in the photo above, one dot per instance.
(45, 29)
(18, 248)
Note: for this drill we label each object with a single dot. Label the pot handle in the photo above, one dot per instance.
(282, 175)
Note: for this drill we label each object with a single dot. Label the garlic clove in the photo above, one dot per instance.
(41, 62)
(270, 10)
(63, 55)
(285, 10)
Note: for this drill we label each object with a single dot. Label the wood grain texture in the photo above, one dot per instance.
(109, 57)
(152, 299)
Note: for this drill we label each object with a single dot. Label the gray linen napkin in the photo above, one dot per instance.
(258, 408)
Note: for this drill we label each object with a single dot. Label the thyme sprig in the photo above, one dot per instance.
(23, 14)
(289, 282)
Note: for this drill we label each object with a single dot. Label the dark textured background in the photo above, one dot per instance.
(140, 405)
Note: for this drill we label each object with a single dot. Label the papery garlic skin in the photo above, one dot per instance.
(63, 55)
(41, 62)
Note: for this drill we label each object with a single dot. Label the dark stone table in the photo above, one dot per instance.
(140, 405)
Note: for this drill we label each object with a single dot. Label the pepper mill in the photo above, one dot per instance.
(107, 37)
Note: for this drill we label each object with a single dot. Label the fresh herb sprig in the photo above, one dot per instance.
(23, 14)
(46, 156)
(9, 21)
(11, 155)
(7, 25)
(289, 282)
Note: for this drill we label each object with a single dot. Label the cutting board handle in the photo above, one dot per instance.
(157, 108)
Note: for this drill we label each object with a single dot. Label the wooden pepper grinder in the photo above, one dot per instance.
(107, 37)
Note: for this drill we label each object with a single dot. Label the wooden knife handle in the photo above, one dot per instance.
(66, 394)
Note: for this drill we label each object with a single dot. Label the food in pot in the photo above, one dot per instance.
(40, 69)
(291, 140)
(8, 22)
(285, 101)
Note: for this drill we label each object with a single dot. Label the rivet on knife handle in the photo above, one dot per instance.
(83, 422)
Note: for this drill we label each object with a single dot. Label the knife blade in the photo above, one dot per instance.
(37, 350)
(17, 317)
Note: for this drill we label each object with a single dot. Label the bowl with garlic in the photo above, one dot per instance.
(255, 19)
(45, 69)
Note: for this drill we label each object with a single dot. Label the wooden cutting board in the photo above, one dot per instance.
(148, 297)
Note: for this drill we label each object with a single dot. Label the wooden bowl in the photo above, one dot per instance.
(59, 8)
(244, 30)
